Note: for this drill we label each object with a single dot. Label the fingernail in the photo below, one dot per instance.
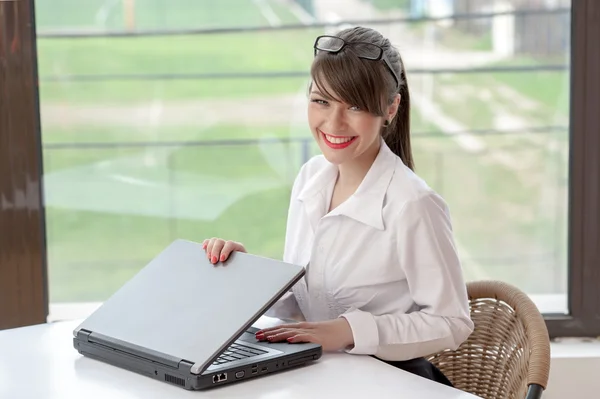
(214, 259)
(290, 339)
(222, 258)
(260, 336)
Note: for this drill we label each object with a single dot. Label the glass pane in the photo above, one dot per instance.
(491, 100)
(157, 136)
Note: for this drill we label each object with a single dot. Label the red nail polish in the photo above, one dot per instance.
(222, 258)
(290, 339)
(260, 336)
(214, 259)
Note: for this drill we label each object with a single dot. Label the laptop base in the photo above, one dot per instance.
(182, 376)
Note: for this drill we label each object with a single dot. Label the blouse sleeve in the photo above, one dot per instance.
(427, 254)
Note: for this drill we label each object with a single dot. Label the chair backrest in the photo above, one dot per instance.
(509, 350)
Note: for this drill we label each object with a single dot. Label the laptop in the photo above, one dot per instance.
(186, 322)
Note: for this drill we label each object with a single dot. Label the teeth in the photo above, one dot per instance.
(337, 140)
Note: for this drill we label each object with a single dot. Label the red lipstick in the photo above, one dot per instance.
(337, 146)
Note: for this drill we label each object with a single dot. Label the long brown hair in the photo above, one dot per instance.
(368, 85)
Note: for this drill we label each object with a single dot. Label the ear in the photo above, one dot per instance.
(393, 108)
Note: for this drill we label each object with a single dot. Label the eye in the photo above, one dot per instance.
(319, 101)
(355, 108)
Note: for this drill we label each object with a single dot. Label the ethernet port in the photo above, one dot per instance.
(219, 378)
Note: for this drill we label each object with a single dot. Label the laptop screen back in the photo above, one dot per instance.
(183, 306)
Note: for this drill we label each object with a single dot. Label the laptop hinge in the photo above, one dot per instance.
(84, 334)
(131, 350)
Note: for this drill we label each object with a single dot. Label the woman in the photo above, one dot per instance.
(383, 276)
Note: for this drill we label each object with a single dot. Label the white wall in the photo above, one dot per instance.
(575, 370)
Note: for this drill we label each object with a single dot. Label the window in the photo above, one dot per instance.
(162, 120)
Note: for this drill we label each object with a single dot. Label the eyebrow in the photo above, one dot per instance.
(317, 92)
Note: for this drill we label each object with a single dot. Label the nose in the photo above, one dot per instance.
(336, 120)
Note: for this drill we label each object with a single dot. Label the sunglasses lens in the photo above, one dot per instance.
(366, 50)
(329, 43)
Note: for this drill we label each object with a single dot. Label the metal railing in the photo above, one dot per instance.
(81, 34)
(63, 78)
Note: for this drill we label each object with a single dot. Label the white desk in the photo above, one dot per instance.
(40, 362)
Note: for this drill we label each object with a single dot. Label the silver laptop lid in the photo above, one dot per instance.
(182, 306)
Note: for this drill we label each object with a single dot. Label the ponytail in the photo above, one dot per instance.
(397, 135)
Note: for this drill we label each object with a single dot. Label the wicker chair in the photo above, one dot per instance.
(508, 354)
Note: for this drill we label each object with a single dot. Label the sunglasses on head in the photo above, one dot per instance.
(367, 51)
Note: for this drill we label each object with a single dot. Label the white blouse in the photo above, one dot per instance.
(384, 259)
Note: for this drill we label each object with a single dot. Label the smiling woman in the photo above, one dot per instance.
(383, 275)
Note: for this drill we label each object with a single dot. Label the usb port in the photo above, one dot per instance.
(254, 369)
(263, 369)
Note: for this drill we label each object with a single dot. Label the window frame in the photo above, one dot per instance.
(23, 278)
(584, 179)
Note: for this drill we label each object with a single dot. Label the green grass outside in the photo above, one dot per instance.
(92, 253)
(236, 52)
(84, 244)
(475, 98)
(88, 255)
(208, 54)
(522, 209)
(550, 88)
(497, 214)
(151, 14)
(148, 91)
(245, 52)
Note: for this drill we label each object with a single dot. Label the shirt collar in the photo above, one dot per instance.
(365, 205)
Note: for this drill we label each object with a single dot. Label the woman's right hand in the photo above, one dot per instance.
(218, 249)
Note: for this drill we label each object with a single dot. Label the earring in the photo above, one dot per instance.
(386, 123)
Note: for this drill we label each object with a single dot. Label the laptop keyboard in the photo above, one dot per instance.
(236, 352)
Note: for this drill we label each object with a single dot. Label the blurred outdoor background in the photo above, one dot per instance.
(165, 119)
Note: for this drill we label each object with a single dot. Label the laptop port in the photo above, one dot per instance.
(263, 369)
(219, 378)
(240, 374)
(254, 369)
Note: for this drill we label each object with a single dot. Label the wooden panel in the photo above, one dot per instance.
(23, 285)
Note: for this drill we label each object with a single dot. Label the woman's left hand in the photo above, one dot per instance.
(332, 335)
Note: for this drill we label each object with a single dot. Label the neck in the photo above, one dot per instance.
(352, 173)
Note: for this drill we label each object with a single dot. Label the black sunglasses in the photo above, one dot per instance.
(367, 51)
